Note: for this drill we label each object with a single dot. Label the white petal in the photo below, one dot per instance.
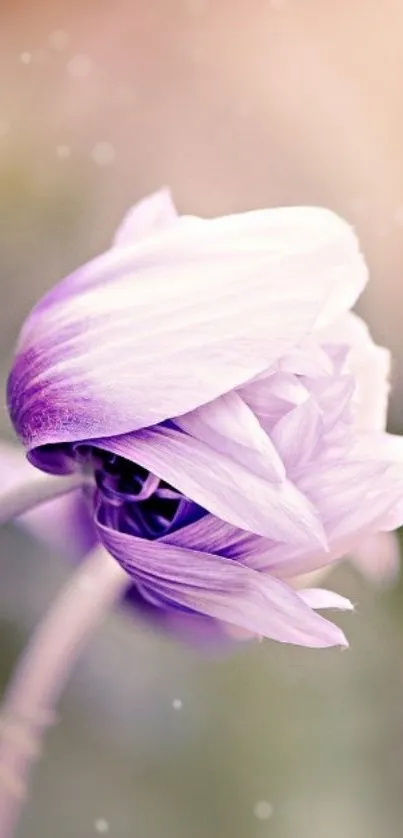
(270, 397)
(146, 218)
(228, 426)
(354, 497)
(318, 598)
(155, 330)
(298, 433)
(370, 366)
(307, 359)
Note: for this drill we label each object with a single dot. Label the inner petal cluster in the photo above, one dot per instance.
(132, 500)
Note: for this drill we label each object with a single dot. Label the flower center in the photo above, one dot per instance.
(130, 499)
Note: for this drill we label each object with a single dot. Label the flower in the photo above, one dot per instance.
(226, 410)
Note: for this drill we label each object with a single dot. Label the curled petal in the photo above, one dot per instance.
(357, 500)
(353, 497)
(221, 485)
(370, 367)
(319, 598)
(297, 435)
(333, 397)
(148, 217)
(270, 397)
(228, 426)
(222, 589)
(154, 330)
(208, 533)
(212, 535)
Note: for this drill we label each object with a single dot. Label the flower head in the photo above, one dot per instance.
(226, 409)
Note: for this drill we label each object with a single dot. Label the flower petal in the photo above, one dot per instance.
(352, 496)
(222, 589)
(213, 535)
(355, 499)
(228, 425)
(386, 448)
(221, 485)
(146, 218)
(272, 396)
(152, 331)
(380, 446)
(319, 598)
(307, 359)
(370, 366)
(298, 434)
(64, 524)
(333, 396)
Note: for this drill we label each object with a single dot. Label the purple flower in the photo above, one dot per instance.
(226, 410)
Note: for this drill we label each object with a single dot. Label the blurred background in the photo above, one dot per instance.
(235, 104)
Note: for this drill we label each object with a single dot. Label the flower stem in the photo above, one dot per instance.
(43, 488)
(43, 670)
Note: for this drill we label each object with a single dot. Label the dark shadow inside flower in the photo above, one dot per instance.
(130, 499)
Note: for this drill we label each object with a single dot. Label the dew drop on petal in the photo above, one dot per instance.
(80, 66)
(25, 57)
(103, 154)
(177, 704)
(58, 39)
(101, 826)
(263, 810)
